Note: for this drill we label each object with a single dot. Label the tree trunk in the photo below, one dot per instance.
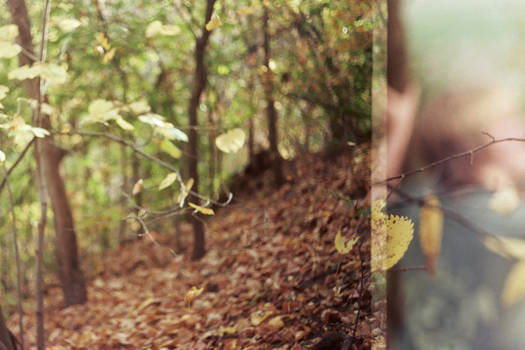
(271, 112)
(71, 277)
(397, 74)
(199, 83)
(7, 341)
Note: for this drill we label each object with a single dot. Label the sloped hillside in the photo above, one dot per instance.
(271, 279)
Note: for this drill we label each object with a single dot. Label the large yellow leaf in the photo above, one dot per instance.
(400, 231)
(231, 141)
(514, 289)
(431, 230)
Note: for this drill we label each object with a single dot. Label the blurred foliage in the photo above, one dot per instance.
(127, 52)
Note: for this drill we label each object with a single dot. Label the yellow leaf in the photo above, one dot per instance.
(246, 10)
(169, 29)
(431, 231)
(153, 29)
(192, 294)
(138, 187)
(205, 211)
(108, 56)
(188, 185)
(391, 236)
(103, 41)
(514, 288)
(259, 317)
(231, 141)
(101, 111)
(505, 200)
(215, 22)
(506, 247)
(400, 231)
(340, 244)
(226, 330)
(168, 180)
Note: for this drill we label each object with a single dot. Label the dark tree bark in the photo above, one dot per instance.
(7, 340)
(271, 112)
(199, 83)
(397, 74)
(70, 274)
(398, 79)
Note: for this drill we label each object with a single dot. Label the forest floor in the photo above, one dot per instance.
(272, 277)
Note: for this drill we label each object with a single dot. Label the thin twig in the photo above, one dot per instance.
(12, 167)
(468, 153)
(17, 259)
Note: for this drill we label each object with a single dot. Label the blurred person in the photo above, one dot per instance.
(459, 307)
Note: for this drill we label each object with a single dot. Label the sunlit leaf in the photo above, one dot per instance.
(140, 107)
(39, 132)
(152, 119)
(170, 148)
(2, 156)
(187, 186)
(68, 24)
(203, 210)
(341, 246)
(172, 133)
(258, 317)
(24, 72)
(8, 32)
(514, 288)
(123, 124)
(168, 180)
(8, 50)
(431, 230)
(153, 29)
(47, 109)
(231, 141)
(137, 188)
(215, 22)
(102, 110)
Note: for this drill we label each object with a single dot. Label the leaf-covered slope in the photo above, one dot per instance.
(271, 278)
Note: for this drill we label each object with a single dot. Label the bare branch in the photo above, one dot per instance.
(468, 153)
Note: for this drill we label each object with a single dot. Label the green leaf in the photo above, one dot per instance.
(101, 110)
(39, 132)
(172, 133)
(341, 246)
(231, 141)
(3, 91)
(124, 124)
(170, 149)
(9, 32)
(168, 180)
(152, 119)
(203, 210)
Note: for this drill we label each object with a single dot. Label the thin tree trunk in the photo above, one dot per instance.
(6, 338)
(271, 112)
(199, 83)
(71, 277)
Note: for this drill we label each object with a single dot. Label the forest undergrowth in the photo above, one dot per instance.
(271, 278)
